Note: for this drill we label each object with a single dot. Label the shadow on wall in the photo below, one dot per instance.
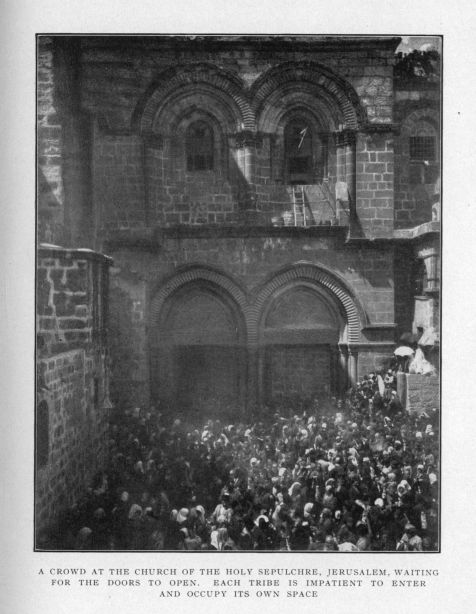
(243, 192)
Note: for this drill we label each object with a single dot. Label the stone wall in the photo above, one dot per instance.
(405, 288)
(77, 431)
(419, 393)
(140, 171)
(50, 150)
(375, 358)
(128, 342)
(64, 144)
(374, 193)
(248, 263)
(72, 376)
(251, 260)
(418, 112)
(118, 157)
(120, 70)
(119, 182)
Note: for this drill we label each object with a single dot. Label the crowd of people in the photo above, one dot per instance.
(350, 474)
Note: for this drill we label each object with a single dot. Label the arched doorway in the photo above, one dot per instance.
(300, 331)
(199, 359)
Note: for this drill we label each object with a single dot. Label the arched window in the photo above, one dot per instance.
(298, 148)
(42, 434)
(199, 147)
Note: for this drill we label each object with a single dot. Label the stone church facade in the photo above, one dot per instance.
(270, 206)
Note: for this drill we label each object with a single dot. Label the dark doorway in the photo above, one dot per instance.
(199, 366)
(297, 372)
(208, 380)
(299, 339)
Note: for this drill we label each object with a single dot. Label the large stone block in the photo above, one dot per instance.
(418, 393)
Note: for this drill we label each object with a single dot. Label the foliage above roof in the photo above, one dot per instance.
(418, 66)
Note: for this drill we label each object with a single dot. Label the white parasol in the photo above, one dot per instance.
(404, 350)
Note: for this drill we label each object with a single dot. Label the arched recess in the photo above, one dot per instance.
(197, 80)
(316, 126)
(198, 98)
(333, 108)
(307, 77)
(353, 314)
(198, 343)
(417, 159)
(306, 321)
(178, 126)
(191, 274)
(291, 96)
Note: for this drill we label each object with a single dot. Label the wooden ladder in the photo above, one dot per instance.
(299, 205)
(327, 197)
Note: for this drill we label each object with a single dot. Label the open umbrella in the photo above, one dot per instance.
(404, 350)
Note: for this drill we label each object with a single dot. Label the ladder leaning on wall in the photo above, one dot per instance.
(301, 217)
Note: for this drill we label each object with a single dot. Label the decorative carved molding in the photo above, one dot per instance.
(228, 86)
(320, 277)
(342, 92)
(197, 273)
(246, 105)
(252, 306)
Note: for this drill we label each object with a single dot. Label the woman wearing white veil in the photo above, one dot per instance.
(419, 364)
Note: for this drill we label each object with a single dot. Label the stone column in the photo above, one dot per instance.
(334, 359)
(352, 365)
(342, 379)
(350, 166)
(155, 156)
(253, 381)
(345, 172)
